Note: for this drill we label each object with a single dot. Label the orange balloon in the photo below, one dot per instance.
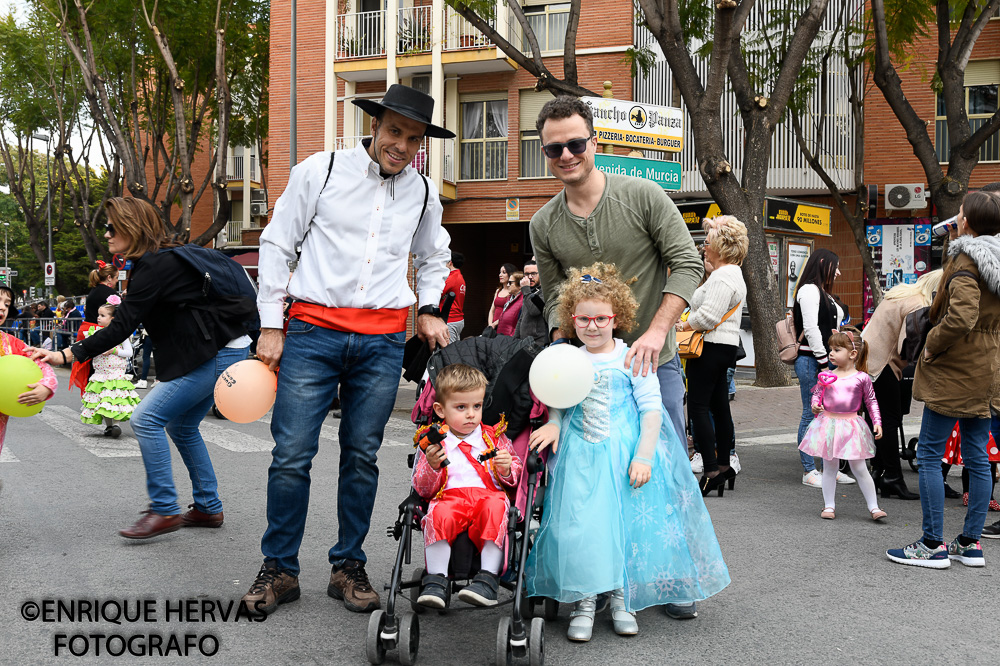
(245, 391)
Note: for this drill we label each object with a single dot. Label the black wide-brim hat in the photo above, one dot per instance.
(408, 102)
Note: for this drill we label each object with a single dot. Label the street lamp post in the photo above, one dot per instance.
(48, 196)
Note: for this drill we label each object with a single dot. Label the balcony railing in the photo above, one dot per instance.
(234, 232)
(235, 167)
(414, 30)
(421, 161)
(361, 35)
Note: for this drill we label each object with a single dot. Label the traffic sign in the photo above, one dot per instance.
(12, 273)
(50, 273)
(665, 174)
(3, 270)
(118, 261)
(623, 123)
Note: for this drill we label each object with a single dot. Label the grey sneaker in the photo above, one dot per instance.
(482, 591)
(682, 611)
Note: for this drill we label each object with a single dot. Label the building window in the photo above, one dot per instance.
(549, 23)
(982, 79)
(484, 140)
(532, 159)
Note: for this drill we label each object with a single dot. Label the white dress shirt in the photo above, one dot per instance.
(461, 473)
(363, 227)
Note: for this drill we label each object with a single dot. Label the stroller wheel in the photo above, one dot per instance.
(551, 609)
(374, 648)
(409, 638)
(504, 656)
(418, 575)
(911, 450)
(536, 642)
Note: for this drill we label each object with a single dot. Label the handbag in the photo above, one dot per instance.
(690, 344)
(788, 344)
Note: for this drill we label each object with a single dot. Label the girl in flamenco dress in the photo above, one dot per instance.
(624, 521)
(838, 432)
(109, 398)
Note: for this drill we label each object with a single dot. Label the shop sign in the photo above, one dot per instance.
(694, 212)
(665, 174)
(624, 123)
(788, 215)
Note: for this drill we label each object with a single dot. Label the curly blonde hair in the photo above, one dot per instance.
(611, 289)
(727, 236)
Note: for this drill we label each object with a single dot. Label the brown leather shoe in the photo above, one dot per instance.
(151, 525)
(195, 518)
(350, 583)
(271, 588)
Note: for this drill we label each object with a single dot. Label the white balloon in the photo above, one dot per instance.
(561, 376)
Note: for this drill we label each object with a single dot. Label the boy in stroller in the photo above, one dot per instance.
(469, 479)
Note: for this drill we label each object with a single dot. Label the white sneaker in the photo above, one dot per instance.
(813, 479)
(697, 464)
(734, 462)
(141, 384)
(844, 480)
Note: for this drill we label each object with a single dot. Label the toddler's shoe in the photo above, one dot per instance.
(581, 620)
(697, 464)
(433, 591)
(965, 499)
(919, 555)
(482, 591)
(812, 479)
(970, 556)
(623, 621)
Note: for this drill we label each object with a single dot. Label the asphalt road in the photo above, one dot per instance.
(804, 590)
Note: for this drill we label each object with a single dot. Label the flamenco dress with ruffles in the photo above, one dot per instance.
(108, 394)
(597, 533)
(839, 431)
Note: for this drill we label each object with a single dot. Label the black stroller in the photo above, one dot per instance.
(505, 362)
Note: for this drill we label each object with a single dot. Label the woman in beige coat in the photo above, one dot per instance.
(955, 381)
(884, 334)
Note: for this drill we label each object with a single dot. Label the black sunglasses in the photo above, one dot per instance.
(111, 230)
(555, 150)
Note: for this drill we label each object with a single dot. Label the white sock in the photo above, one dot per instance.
(865, 482)
(491, 557)
(437, 555)
(108, 421)
(830, 469)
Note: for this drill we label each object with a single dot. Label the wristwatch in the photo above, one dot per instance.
(429, 310)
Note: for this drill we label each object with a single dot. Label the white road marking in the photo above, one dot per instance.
(233, 440)
(330, 432)
(67, 423)
(6, 455)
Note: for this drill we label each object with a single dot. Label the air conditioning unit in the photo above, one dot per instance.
(905, 197)
(258, 209)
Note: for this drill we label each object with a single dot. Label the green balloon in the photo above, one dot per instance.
(16, 372)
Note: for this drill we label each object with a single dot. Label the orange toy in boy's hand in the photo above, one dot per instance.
(432, 440)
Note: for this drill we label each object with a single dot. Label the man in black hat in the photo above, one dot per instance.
(346, 225)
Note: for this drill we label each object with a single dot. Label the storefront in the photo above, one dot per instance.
(791, 229)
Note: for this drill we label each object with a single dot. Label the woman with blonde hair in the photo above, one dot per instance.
(715, 309)
(193, 347)
(884, 334)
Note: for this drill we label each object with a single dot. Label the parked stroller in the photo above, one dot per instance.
(505, 362)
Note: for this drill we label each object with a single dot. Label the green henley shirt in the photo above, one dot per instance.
(634, 226)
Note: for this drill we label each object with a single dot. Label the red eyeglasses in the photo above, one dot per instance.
(600, 321)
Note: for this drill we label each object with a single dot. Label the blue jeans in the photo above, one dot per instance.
(731, 378)
(671, 377)
(176, 408)
(934, 431)
(315, 361)
(807, 370)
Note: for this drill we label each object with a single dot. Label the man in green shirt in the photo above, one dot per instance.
(629, 222)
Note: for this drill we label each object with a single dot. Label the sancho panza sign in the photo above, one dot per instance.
(623, 123)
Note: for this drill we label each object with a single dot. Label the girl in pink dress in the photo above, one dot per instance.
(838, 432)
(37, 392)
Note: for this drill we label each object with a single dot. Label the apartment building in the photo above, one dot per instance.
(492, 176)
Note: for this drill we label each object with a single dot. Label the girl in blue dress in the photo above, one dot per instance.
(624, 519)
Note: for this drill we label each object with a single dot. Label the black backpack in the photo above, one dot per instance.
(229, 292)
(918, 324)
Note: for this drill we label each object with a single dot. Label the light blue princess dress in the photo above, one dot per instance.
(597, 533)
